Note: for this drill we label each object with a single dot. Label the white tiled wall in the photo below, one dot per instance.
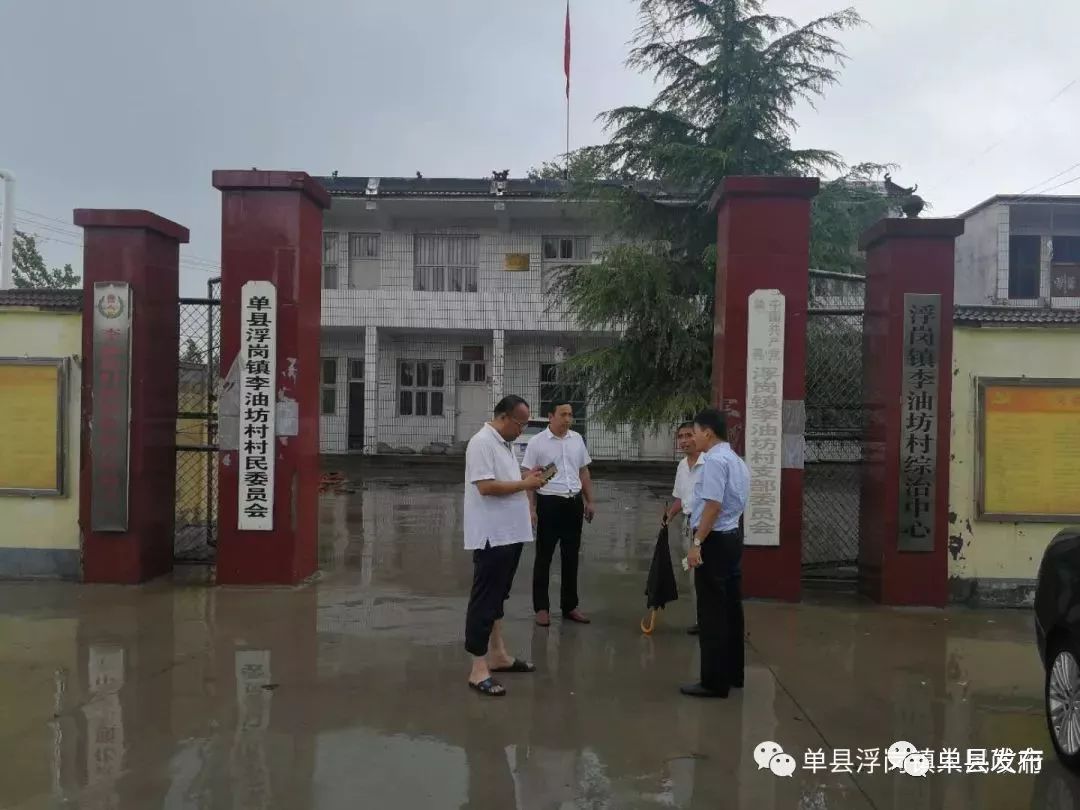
(978, 256)
(523, 354)
(510, 300)
(1003, 252)
(436, 325)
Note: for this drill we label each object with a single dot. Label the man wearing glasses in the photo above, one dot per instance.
(497, 525)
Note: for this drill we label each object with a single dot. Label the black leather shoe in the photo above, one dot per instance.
(693, 630)
(697, 690)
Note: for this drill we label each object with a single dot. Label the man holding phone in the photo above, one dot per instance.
(496, 528)
(558, 509)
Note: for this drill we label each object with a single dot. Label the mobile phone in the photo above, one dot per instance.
(549, 472)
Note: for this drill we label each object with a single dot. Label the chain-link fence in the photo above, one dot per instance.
(834, 424)
(196, 428)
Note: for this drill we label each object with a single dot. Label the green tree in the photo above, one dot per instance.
(730, 78)
(29, 270)
(192, 352)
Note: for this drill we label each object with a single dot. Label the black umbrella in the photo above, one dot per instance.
(661, 586)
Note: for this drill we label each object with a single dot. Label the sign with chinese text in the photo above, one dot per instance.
(1065, 280)
(32, 412)
(104, 716)
(1030, 443)
(919, 408)
(764, 416)
(258, 372)
(516, 262)
(110, 416)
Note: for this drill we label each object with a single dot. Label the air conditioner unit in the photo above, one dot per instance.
(372, 186)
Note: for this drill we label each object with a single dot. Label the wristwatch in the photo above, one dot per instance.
(698, 543)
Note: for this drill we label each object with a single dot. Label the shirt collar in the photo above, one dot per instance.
(551, 435)
(699, 462)
(496, 434)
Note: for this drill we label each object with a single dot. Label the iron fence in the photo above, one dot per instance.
(196, 428)
(834, 425)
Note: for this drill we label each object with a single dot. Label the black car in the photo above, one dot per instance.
(1057, 633)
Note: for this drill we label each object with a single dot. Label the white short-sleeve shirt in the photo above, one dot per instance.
(500, 520)
(568, 454)
(685, 478)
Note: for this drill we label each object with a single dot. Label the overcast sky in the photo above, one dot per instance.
(132, 103)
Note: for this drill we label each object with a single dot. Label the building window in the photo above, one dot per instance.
(364, 267)
(472, 367)
(356, 371)
(566, 248)
(330, 261)
(363, 246)
(1024, 255)
(420, 387)
(555, 391)
(446, 263)
(1065, 267)
(328, 386)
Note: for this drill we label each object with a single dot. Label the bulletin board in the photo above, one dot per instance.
(32, 448)
(1029, 449)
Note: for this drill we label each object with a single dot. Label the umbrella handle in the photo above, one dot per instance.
(648, 623)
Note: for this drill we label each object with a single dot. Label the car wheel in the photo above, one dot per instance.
(1063, 703)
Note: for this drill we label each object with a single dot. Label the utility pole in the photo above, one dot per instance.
(7, 232)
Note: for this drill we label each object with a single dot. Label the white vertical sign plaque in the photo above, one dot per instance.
(258, 373)
(764, 416)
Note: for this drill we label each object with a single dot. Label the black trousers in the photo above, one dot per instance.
(493, 576)
(558, 523)
(718, 582)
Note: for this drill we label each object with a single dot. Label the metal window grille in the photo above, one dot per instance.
(445, 263)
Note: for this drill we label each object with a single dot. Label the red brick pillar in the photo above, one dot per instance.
(271, 231)
(907, 367)
(131, 352)
(763, 243)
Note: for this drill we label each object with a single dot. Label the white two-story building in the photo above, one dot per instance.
(1020, 251)
(435, 305)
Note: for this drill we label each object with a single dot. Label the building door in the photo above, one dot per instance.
(473, 393)
(356, 405)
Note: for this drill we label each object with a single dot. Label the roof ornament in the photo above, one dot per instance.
(905, 199)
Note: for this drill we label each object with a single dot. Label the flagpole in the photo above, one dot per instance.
(566, 68)
(567, 137)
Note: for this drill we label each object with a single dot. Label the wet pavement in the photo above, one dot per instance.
(351, 692)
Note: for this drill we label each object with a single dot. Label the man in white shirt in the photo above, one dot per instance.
(686, 476)
(558, 510)
(497, 525)
(720, 496)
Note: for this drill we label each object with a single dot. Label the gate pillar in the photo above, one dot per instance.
(271, 290)
(907, 363)
(130, 356)
(763, 245)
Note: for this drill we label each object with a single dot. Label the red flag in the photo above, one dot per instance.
(566, 50)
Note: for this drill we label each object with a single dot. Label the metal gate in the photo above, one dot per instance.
(196, 428)
(834, 425)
